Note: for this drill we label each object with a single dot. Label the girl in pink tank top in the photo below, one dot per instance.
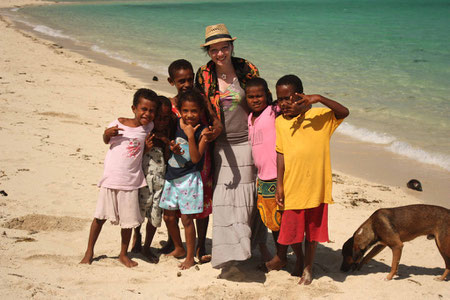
(123, 176)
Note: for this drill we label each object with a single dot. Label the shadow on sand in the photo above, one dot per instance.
(327, 263)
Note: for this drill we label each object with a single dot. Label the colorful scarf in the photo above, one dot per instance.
(206, 79)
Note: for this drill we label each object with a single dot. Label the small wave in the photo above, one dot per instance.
(119, 57)
(111, 54)
(420, 155)
(365, 135)
(161, 70)
(395, 146)
(51, 32)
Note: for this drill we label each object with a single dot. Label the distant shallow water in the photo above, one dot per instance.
(388, 61)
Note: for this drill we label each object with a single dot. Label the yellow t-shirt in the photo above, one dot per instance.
(305, 143)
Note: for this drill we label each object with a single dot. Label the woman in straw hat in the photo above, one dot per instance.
(223, 81)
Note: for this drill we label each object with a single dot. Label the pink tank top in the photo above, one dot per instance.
(123, 161)
(262, 136)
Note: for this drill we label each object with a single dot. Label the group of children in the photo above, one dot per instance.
(156, 162)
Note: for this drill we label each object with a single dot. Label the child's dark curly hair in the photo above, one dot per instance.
(164, 101)
(291, 80)
(179, 64)
(192, 95)
(259, 82)
(146, 94)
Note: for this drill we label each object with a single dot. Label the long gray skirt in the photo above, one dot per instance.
(234, 204)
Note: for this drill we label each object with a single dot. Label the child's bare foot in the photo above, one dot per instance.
(306, 277)
(187, 263)
(202, 256)
(167, 248)
(149, 255)
(274, 264)
(87, 259)
(124, 259)
(177, 253)
(137, 243)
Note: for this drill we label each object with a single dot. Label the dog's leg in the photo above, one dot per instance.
(443, 245)
(396, 254)
(446, 272)
(375, 250)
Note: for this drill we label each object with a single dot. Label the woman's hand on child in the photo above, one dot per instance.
(217, 129)
(176, 148)
(208, 133)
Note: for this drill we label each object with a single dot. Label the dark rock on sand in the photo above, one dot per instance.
(415, 185)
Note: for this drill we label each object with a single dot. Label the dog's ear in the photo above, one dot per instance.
(347, 255)
(347, 248)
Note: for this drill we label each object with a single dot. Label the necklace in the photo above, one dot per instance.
(224, 76)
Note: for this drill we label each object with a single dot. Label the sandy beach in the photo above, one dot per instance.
(54, 106)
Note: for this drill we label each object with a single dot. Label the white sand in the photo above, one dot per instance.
(54, 106)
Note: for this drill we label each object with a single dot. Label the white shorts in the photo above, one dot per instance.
(120, 207)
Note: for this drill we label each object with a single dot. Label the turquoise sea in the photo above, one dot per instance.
(387, 60)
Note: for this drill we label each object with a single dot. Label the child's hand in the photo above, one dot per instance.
(279, 196)
(188, 129)
(301, 103)
(306, 99)
(176, 148)
(112, 131)
(149, 141)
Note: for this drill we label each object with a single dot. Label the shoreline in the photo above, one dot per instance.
(349, 155)
(373, 163)
(134, 71)
(55, 104)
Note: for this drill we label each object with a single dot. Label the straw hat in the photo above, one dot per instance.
(216, 34)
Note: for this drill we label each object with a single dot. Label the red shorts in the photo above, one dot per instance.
(312, 221)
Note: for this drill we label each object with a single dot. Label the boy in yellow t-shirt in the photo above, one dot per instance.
(303, 172)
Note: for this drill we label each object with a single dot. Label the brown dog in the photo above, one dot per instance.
(393, 226)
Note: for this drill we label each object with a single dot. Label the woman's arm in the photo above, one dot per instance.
(217, 126)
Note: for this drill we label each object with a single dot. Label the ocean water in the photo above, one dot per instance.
(387, 60)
